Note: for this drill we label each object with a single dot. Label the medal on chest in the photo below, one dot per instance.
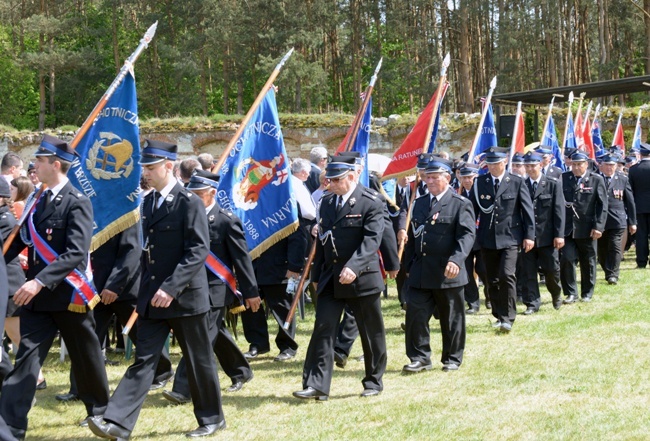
(49, 233)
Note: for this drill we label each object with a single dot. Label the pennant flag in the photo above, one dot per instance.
(487, 139)
(519, 134)
(361, 144)
(597, 139)
(619, 139)
(588, 143)
(636, 140)
(550, 139)
(255, 182)
(570, 141)
(108, 167)
(406, 156)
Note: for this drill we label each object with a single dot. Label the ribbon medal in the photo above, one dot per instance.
(49, 233)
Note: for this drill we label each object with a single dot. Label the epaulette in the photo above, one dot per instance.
(225, 212)
(77, 194)
(551, 178)
(370, 194)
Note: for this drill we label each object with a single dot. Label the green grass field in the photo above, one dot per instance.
(580, 373)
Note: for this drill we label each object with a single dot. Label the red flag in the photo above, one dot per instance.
(406, 156)
(619, 140)
(588, 141)
(578, 130)
(520, 134)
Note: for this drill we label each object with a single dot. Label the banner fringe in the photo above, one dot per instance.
(273, 239)
(114, 228)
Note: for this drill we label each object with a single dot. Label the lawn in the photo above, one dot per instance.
(581, 373)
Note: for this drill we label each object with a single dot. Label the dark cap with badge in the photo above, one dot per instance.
(439, 165)
(202, 180)
(544, 150)
(423, 160)
(532, 158)
(469, 170)
(518, 158)
(608, 159)
(339, 166)
(52, 146)
(31, 167)
(494, 155)
(158, 151)
(569, 151)
(644, 149)
(579, 156)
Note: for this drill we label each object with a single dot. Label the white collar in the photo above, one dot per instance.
(57, 188)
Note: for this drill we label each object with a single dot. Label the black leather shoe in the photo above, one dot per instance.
(284, 355)
(84, 422)
(42, 385)
(612, 280)
(447, 367)
(340, 360)
(530, 311)
(161, 380)
(471, 311)
(238, 385)
(369, 393)
(206, 430)
(416, 366)
(570, 299)
(66, 397)
(108, 430)
(585, 299)
(17, 433)
(310, 394)
(557, 303)
(488, 304)
(175, 397)
(254, 352)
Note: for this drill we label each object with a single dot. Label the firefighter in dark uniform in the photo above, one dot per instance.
(547, 167)
(346, 272)
(548, 203)
(63, 222)
(229, 248)
(585, 198)
(440, 239)
(621, 214)
(639, 177)
(506, 222)
(474, 261)
(173, 296)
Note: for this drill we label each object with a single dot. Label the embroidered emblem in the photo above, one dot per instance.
(354, 201)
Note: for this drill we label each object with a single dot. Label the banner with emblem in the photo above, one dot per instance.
(549, 138)
(108, 167)
(406, 156)
(361, 144)
(255, 182)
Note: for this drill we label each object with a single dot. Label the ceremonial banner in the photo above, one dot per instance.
(255, 182)
(519, 134)
(619, 139)
(578, 131)
(108, 167)
(570, 141)
(596, 139)
(406, 156)
(550, 139)
(636, 140)
(486, 140)
(361, 144)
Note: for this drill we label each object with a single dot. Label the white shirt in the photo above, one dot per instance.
(165, 192)
(438, 197)
(347, 195)
(57, 188)
(305, 202)
(209, 207)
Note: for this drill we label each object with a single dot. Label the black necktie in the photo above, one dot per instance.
(156, 198)
(543, 171)
(534, 187)
(496, 186)
(434, 201)
(46, 198)
(339, 204)
(608, 180)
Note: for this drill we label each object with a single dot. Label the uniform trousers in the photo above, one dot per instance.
(347, 333)
(474, 263)
(642, 237)
(547, 259)
(450, 303)
(230, 357)
(192, 335)
(610, 251)
(38, 330)
(500, 267)
(256, 328)
(319, 360)
(122, 311)
(583, 251)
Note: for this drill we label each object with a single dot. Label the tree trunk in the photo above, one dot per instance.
(466, 97)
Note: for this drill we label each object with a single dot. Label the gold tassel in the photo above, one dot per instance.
(77, 308)
(94, 301)
(237, 309)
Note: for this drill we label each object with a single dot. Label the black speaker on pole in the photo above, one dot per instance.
(506, 126)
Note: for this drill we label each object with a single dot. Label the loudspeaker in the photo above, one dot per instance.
(506, 126)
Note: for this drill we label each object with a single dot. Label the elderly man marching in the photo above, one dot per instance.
(440, 239)
(347, 271)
